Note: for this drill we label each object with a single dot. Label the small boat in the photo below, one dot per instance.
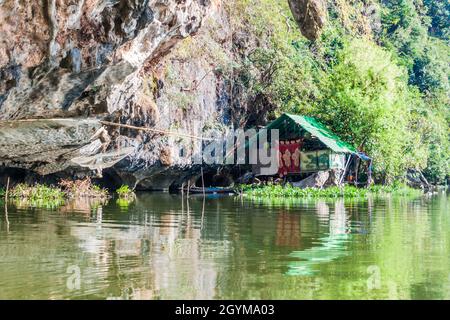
(209, 190)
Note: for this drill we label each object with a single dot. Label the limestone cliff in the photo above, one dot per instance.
(79, 60)
(310, 16)
(65, 65)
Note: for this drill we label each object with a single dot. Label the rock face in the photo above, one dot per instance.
(27, 144)
(310, 16)
(64, 58)
(66, 65)
(80, 59)
(320, 180)
(416, 179)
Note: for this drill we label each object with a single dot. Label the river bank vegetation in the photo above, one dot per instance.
(37, 195)
(41, 195)
(288, 191)
(125, 192)
(378, 77)
(50, 196)
(83, 188)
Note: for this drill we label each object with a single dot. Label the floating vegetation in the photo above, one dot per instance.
(43, 196)
(37, 195)
(124, 203)
(125, 192)
(288, 191)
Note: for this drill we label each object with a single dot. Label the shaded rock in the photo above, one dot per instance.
(310, 16)
(334, 177)
(320, 179)
(316, 180)
(60, 49)
(79, 59)
(44, 146)
(124, 61)
(247, 178)
(165, 157)
(416, 179)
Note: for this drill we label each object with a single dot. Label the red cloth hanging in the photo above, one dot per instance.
(289, 157)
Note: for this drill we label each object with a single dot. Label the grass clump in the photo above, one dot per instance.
(38, 195)
(288, 191)
(36, 192)
(125, 192)
(43, 196)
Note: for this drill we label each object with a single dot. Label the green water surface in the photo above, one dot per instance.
(166, 246)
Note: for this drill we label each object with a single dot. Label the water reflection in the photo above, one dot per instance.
(328, 248)
(165, 246)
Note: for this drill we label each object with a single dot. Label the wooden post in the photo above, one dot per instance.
(7, 190)
(345, 170)
(6, 205)
(189, 186)
(203, 213)
(369, 174)
(357, 171)
(203, 181)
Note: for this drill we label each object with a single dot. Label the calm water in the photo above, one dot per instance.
(165, 247)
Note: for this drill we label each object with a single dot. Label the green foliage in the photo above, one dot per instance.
(125, 192)
(386, 92)
(37, 191)
(37, 195)
(409, 30)
(439, 11)
(406, 32)
(281, 67)
(43, 196)
(124, 203)
(366, 101)
(288, 191)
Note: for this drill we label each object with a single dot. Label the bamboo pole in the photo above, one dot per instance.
(189, 186)
(113, 124)
(369, 174)
(6, 205)
(345, 170)
(357, 171)
(203, 213)
(203, 182)
(7, 190)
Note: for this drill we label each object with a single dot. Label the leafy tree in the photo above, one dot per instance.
(439, 11)
(389, 96)
(366, 100)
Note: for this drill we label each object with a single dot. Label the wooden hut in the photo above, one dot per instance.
(306, 146)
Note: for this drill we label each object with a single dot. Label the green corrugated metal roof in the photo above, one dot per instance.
(316, 129)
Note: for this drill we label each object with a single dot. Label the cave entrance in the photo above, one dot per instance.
(215, 178)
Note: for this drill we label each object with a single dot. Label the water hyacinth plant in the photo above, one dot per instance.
(37, 195)
(36, 192)
(272, 190)
(125, 192)
(43, 196)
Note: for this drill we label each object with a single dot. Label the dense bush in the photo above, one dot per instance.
(289, 191)
(384, 90)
